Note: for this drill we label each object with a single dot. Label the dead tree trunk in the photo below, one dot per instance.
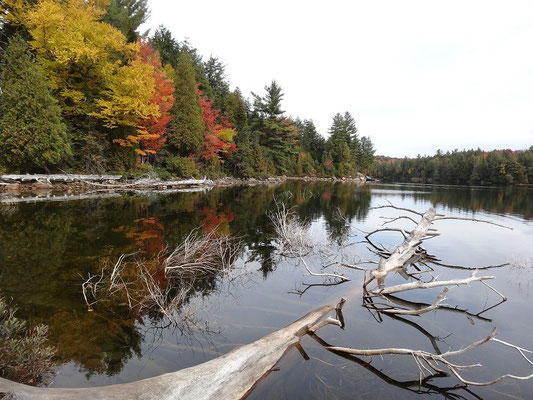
(407, 252)
(229, 377)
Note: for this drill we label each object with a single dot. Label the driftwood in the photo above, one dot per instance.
(101, 181)
(229, 377)
(58, 178)
(407, 253)
(431, 363)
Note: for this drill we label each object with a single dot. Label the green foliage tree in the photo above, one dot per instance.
(311, 141)
(170, 50)
(167, 47)
(216, 77)
(367, 154)
(343, 131)
(186, 128)
(345, 166)
(242, 161)
(343, 128)
(127, 16)
(32, 134)
(274, 131)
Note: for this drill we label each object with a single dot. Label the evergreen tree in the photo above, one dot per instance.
(274, 132)
(170, 50)
(242, 162)
(343, 131)
(32, 134)
(345, 166)
(186, 128)
(237, 112)
(127, 16)
(343, 128)
(167, 47)
(216, 76)
(367, 155)
(311, 141)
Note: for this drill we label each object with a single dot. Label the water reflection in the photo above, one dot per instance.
(508, 200)
(46, 249)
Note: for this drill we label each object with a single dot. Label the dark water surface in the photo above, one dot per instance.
(47, 248)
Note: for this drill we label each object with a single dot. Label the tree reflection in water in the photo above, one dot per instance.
(45, 248)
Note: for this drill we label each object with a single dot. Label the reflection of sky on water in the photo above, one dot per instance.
(257, 306)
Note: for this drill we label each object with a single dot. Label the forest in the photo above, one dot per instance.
(471, 167)
(83, 91)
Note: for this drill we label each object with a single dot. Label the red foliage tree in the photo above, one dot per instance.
(153, 129)
(219, 131)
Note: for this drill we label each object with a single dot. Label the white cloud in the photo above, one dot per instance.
(417, 75)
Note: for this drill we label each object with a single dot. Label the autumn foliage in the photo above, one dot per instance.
(153, 129)
(119, 99)
(219, 132)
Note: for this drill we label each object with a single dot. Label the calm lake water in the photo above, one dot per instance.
(47, 248)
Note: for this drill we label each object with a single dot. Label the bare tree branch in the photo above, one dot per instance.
(429, 285)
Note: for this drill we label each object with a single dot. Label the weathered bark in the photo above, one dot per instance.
(428, 285)
(229, 377)
(406, 253)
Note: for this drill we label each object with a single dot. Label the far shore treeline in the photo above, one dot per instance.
(83, 91)
(467, 167)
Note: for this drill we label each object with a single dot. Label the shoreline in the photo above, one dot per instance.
(32, 188)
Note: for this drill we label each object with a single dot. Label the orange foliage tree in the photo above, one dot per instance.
(219, 132)
(152, 130)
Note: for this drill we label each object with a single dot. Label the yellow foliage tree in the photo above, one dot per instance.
(128, 101)
(79, 53)
(92, 69)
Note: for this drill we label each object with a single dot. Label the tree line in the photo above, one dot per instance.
(83, 90)
(477, 167)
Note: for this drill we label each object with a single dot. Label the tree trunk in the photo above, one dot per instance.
(229, 377)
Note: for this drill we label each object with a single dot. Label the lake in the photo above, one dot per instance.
(49, 248)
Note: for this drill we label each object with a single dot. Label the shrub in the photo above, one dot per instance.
(24, 356)
(163, 174)
(182, 166)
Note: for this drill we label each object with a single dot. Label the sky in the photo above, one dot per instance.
(416, 75)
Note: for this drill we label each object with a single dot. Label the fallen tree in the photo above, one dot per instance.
(413, 263)
(235, 374)
(229, 377)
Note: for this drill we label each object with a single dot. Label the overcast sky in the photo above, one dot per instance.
(416, 75)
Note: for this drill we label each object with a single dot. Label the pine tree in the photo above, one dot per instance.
(32, 134)
(170, 51)
(186, 128)
(274, 132)
(367, 154)
(216, 76)
(343, 128)
(311, 141)
(343, 131)
(127, 16)
(167, 46)
(242, 162)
